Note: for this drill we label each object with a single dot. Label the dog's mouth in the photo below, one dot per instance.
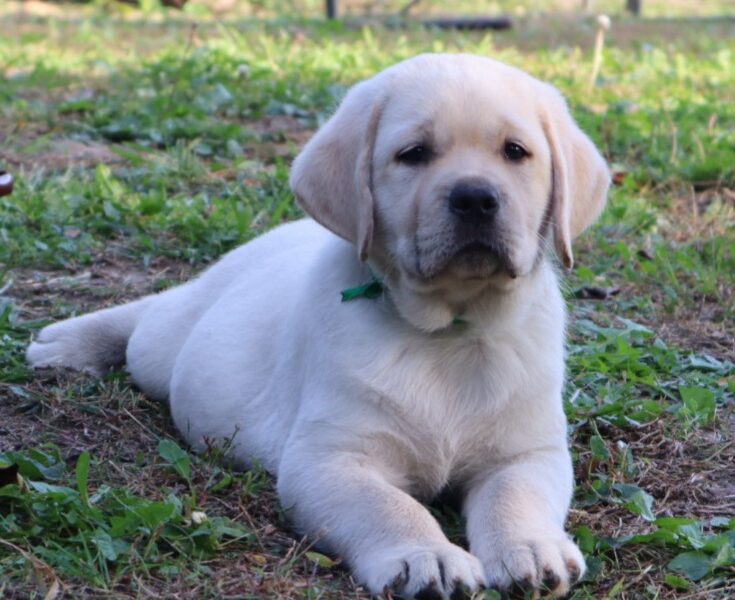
(468, 259)
(477, 248)
(478, 259)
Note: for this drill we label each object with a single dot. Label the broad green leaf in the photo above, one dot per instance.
(641, 504)
(693, 534)
(725, 554)
(227, 528)
(102, 492)
(58, 492)
(632, 326)
(223, 483)
(586, 540)
(104, 543)
(154, 514)
(37, 465)
(660, 536)
(176, 457)
(636, 500)
(705, 362)
(598, 447)
(693, 565)
(699, 404)
(11, 491)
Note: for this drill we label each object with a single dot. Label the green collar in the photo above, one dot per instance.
(372, 290)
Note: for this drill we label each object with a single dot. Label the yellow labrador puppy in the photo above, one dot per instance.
(445, 183)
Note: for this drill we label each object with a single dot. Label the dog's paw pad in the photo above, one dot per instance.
(430, 592)
(550, 580)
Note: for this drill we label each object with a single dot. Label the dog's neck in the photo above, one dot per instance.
(445, 302)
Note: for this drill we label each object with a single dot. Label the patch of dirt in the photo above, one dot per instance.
(279, 136)
(697, 321)
(700, 322)
(112, 278)
(18, 134)
(691, 477)
(682, 475)
(64, 153)
(699, 214)
(697, 332)
(275, 125)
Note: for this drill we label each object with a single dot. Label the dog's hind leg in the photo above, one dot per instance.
(95, 342)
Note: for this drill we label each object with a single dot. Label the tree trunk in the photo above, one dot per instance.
(331, 9)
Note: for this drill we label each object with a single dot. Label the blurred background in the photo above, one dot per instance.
(315, 8)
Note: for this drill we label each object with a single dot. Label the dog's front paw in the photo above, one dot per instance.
(552, 565)
(425, 573)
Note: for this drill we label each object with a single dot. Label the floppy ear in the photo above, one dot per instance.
(331, 177)
(580, 177)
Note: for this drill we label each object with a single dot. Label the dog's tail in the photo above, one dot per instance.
(95, 342)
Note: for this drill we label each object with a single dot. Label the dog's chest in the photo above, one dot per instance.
(447, 377)
(446, 402)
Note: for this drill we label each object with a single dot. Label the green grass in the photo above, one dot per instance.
(100, 538)
(147, 148)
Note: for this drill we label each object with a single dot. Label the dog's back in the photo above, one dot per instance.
(148, 334)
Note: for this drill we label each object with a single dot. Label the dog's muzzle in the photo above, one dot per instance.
(478, 245)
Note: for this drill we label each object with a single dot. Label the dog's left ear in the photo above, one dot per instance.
(580, 177)
(331, 177)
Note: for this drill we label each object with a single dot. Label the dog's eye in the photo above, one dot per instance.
(414, 155)
(515, 152)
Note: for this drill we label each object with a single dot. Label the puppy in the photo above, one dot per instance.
(446, 182)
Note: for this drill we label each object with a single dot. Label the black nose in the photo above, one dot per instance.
(473, 202)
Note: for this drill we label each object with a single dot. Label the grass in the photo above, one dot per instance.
(152, 144)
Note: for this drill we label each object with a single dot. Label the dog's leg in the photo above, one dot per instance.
(94, 342)
(390, 540)
(515, 523)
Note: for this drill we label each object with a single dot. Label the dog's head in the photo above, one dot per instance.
(453, 168)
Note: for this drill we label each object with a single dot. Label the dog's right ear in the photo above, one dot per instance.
(331, 177)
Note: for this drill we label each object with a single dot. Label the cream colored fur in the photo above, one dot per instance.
(361, 409)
